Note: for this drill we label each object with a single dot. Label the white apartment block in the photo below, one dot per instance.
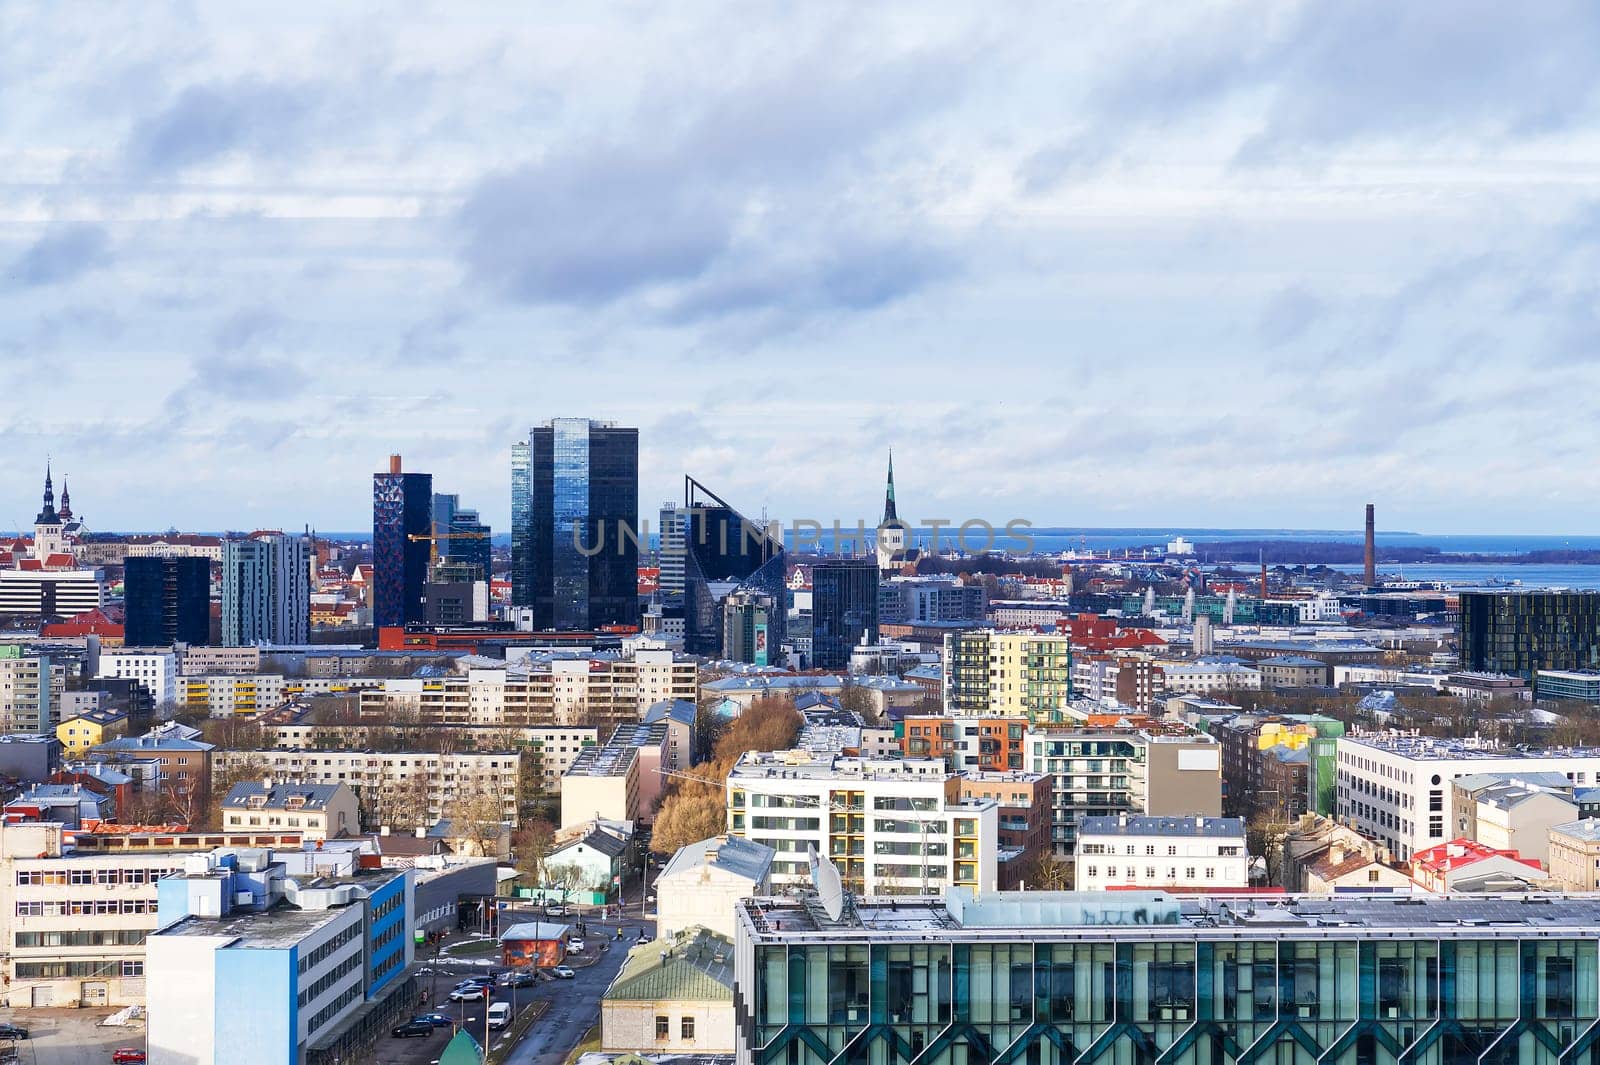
(546, 691)
(50, 592)
(552, 749)
(74, 924)
(1205, 678)
(229, 694)
(403, 790)
(1197, 853)
(198, 661)
(1396, 789)
(157, 671)
(30, 691)
(891, 827)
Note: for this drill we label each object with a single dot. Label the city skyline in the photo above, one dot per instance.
(1064, 281)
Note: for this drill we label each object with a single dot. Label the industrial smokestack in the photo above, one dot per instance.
(394, 465)
(1370, 558)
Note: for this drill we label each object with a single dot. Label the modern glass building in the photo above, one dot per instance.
(167, 601)
(574, 537)
(402, 522)
(1523, 632)
(721, 552)
(463, 537)
(844, 607)
(1047, 978)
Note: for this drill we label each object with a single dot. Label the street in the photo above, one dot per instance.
(573, 1005)
(70, 1036)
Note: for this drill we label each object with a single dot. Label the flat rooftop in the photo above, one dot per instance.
(275, 929)
(1065, 915)
(1435, 747)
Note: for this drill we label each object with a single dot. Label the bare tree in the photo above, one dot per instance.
(478, 818)
(250, 767)
(530, 846)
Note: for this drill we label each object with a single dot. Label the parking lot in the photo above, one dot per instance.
(70, 1037)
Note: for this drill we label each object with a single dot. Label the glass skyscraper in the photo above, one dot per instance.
(167, 601)
(574, 537)
(720, 551)
(1524, 632)
(1047, 978)
(466, 537)
(402, 521)
(844, 607)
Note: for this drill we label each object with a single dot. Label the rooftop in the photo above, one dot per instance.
(696, 966)
(806, 765)
(608, 761)
(276, 929)
(1061, 915)
(1208, 827)
(256, 795)
(735, 854)
(1437, 748)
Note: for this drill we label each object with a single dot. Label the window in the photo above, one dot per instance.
(663, 1027)
(687, 1028)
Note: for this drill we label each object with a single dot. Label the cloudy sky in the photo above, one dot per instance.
(1167, 264)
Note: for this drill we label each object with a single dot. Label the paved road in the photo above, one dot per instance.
(70, 1037)
(575, 1004)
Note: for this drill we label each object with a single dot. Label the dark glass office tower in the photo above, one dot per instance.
(1524, 632)
(844, 605)
(167, 601)
(575, 506)
(402, 519)
(722, 552)
(462, 536)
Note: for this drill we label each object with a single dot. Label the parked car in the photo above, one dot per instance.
(499, 1015)
(518, 979)
(412, 1029)
(476, 981)
(127, 1056)
(438, 1020)
(563, 972)
(555, 911)
(13, 1031)
(574, 946)
(470, 993)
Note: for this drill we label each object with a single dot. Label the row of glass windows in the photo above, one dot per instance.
(1299, 1001)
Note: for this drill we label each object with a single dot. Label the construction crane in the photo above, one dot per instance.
(434, 538)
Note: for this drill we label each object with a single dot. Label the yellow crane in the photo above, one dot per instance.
(434, 538)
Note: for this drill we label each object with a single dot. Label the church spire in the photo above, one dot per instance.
(47, 513)
(66, 501)
(888, 494)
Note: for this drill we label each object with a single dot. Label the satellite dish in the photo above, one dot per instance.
(825, 878)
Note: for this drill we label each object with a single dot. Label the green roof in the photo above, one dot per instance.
(461, 1050)
(698, 968)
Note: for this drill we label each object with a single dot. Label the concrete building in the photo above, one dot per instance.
(1101, 772)
(1512, 814)
(702, 882)
(233, 694)
(1397, 787)
(74, 922)
(966, 743)
(201, 661)
(674, 996)
(1293, 671)
(184, 762)
(1023, 824)
(893, 826)
(1179, 853)
(601, 784)
(1009, 674)
(89, 729)
(156, 670)
(1462, 865)
(599, 850)
(277, 958)
(316, 811)
(1574, 855)
(26, 692)
(266, 590)
(1204, 678)
(399, 790)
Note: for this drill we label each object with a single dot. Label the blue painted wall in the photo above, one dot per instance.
(388, 961)
(257, 1014)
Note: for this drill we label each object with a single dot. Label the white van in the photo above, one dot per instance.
(499, 1014)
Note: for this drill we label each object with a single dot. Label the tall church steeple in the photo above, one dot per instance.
(888, 494)
(47, 514)
(66, 502)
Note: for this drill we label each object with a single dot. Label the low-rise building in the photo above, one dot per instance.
(1293, 671)
(1574, 851)
(316, 811)
(1179, 853)
(702, 882)
(534, 944)
(1464, 865)
(673, 996)
(1513, 813)
(601, 784)
(598, 851)
(89, 729)
(156, 670)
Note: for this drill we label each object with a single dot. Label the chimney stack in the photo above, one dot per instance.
(394, 463)
(1370, 558)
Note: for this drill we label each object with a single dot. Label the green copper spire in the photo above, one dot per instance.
(888, 495)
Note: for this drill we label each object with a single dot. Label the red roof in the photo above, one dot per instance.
(32, 564)
(1460, 853)
(60, 561)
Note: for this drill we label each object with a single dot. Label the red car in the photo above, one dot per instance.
(126, 1056)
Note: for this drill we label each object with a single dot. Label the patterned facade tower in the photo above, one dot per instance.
(402, 513)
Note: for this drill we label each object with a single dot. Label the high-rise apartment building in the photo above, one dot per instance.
(26, 703)
(266, 590)
(574, 512)
(844, 608)
(1523, 632)
(1008, 673)
(748, 619)
(167, 601)
(402, 525)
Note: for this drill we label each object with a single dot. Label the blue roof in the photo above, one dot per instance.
(680, 710)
